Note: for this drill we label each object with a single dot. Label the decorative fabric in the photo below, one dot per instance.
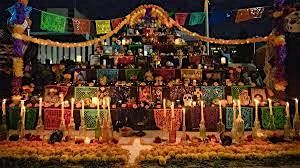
(279, 116)
(191, 74)
(159, 118)
(125, 60)
(81, 26)
(82, 93)
(115, 22)
(247, 115)
(52, 118)
(195, 60)
(213, 92)
(145, 94)
(176, 92)
(14, 16)
(132, 73)
(237, 90)
(53, 22)
(103, 26)
(30, 118)
(90, 116)
(180, 18)
(167, 74)
(61, 89)
(211, 117)
(218, 17)
(196, 18)
(111, 74)
(248, 14)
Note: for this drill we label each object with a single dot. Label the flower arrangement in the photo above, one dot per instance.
(210, 151)
(18, 67)
(99, 155)
(58, 69)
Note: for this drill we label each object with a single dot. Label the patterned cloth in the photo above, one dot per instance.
(52, 118)
(82, 93)
(211, 117)
(247, 115)
(111, 74)
(212, 92)
(103, 26)
(167, 74)
(159, 118)
(31, 117)
(81, 26)
(90, 116)
(237, 90)
(279, 116)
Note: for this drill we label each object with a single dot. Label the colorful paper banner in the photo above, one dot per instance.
(53, 22)
(218, 17)
(81, 26)
(116, 22)
(180, 18)
(103, 26)
(248, 14)
(196, 18)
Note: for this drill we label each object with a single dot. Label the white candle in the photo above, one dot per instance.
(240, 109)
(234, 110)
(40, 106)
(72, 106)
(183, 118)
(3, 107)
(223, 60)
(172, 109)
(220, 110)
(164, 106)
(104, 62)
(287, 110)
(270, 106)
(296, 106)
(87, 140)
(256, 109)
(202, 113)
(108, 107)
(98, 108)
(22, 111)
(62, 110)
(82, 109)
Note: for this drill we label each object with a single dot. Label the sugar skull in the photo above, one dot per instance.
(187, 100)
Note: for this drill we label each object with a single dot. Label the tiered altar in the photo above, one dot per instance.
(149, 98)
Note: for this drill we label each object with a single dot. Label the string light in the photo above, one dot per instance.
(132, 19)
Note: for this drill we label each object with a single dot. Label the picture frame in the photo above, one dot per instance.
(259, 94)
(107, 50)
(95, 60)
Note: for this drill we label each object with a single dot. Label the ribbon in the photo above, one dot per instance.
(115, 22)
(103, 26)
(53, 22)
(180, 18)
(218, 17)
(196, 18)
(248, 14)
(81, 26)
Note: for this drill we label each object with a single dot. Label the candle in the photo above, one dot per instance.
(270, 106)
(202, 114)
(108, 104)
(296, 106)
(223, 60)
(72, 106)
(4, 107)
(220, 110)
(62, 110)
(40, 106)
(287, 109)
(256, 109)
(22, 110)
(172, 109)
(183, 118)
(234, 110)
(87, 140)
(98, 108)
(82, 108)
(240, 109)
(164, 106)
(104, 62)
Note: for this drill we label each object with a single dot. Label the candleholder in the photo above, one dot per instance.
(82, 131)
(39, 127)
(296, 125)
(71, 127)
(3, 128)
(172, 136)
(183, 138)
(202, 129)
(271, 124)
(105, 131)
(98, 128)
(256, 129)
(220, 126)
(239, 130)
(288, 131)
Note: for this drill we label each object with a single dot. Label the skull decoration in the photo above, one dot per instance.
(187, 100)
(158, 81)
(293, 22)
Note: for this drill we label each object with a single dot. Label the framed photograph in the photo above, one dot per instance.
(95, 60)
(107, 50)
(259, 94)
(148, 50)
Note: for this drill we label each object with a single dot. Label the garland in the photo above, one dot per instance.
(132, 19)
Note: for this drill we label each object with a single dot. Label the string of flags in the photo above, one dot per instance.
(57, 23)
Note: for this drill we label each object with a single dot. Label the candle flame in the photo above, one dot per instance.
(296, 100)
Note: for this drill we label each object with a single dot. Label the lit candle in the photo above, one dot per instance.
(172, 109)
(256, 109)
(220, 110)
(82, 108)
(202, 113)
(296, 106)
(108, 105)
(40, 106)
(22, 110)
(104, 62)
(87, 140)
(164, 106)
(240, 109)
(287, 109)
(183, 118)
(270, 106)
(234, 110)
(72, 106)
(98, 108)
(223, 60)
(4, 107)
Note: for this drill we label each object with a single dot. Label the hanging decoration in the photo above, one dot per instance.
(81, 26)
(217, 17)
(13, 11)
(53, 22)
(103, 26)
(248, 14)
(181, 17)
(115, 22)
(196, 18)
(134, 16)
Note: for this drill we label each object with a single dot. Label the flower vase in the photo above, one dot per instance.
(220, 126)
(3, 129)
(202, 130)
